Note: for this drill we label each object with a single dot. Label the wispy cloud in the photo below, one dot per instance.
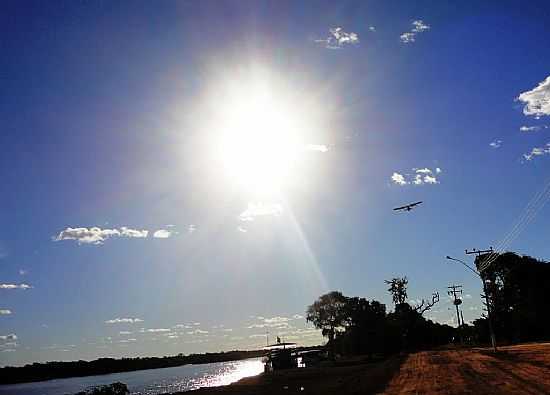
(274, 322)
(496, 144)
(419, 176)
(182, 326)
(338, 38)
(537, 151)
(15, 286)
(261, 210)
(532, 128)
(198, 332)
(127, 340)
(372, 29)
(158, 330)
(537, 100)
(418, 26)
(124, 320)
(10, 337)
(96, 235)
(23, 272)
(5, 311)
(123, 333)
(192, 228)
(242, 229)
(317, 147)
(164, 233)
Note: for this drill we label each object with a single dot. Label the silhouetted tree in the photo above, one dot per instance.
(398, 289)
(517, 288)
(328, 314)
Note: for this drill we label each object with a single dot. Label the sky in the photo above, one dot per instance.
(188, 176)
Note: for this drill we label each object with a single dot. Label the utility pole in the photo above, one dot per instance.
(486, 295)
(455, 290)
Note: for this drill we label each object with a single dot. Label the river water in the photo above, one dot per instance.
(148, 382)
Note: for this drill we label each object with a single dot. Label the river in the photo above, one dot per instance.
(147, 382)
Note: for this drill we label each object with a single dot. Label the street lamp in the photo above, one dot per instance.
(492, 333)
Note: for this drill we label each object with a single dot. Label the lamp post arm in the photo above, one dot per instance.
(465, 264)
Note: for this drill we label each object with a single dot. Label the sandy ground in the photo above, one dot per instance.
(522, 369)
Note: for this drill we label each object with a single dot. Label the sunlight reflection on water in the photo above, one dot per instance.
(147, 382)
(224, 374)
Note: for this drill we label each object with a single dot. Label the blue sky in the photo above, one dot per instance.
(111, 120)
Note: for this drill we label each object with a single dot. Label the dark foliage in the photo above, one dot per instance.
(517, 288)
(53, 370)
(359, 326)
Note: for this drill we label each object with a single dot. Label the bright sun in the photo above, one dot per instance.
(260, 138)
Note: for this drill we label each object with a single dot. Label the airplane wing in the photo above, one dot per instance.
(401, 208)
(414, 204)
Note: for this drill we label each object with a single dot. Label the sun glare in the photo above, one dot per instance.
(260, 138)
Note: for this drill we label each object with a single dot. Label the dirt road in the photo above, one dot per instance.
(523, 369)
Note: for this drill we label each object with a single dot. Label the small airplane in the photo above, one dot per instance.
(407, 207)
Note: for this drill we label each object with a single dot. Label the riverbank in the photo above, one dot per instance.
(520, 369)
(350, 377)
(102, 366)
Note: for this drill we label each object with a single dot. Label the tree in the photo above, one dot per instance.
(517, 289)
(328, 313)
(398, 289)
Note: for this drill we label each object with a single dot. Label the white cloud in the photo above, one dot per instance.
(537, 100)
(430, 179)
(96, 235)
(418, 26)
(5, 311)
(496, 144)
(124, 320)
(164, 233)
(197, 332)
(241, 229)
(317, 147)
(261, 210)
(15, 286)
(407, 37)
(11, 337)
(420, 176)
(276, 320)
(192, 228)
(398, 179)
(182, 326)
(338, 38)
(298, 317)
(127, 232)
(538, 151)
(532, 128)
(127, 340)
(372, 28)
(122, 333)
(22, 272)
(157, 330)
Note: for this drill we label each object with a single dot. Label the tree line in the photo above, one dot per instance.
(55, 370)
(515, 284)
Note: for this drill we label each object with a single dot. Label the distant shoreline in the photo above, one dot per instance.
(63, 370)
